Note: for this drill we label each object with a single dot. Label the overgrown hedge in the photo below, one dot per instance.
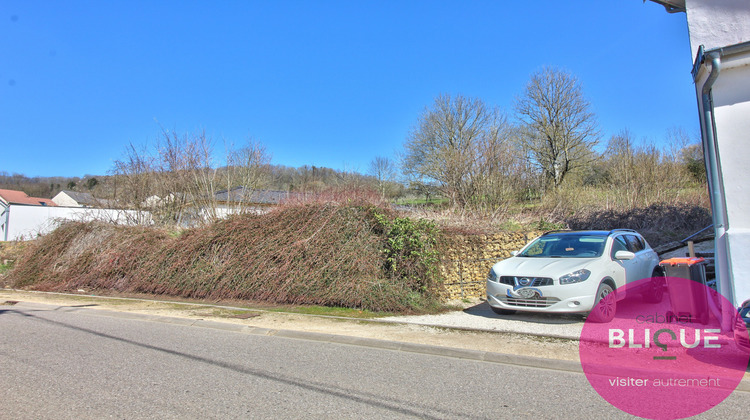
(326, 254)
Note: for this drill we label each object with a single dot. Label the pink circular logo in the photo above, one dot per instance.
(668, 353)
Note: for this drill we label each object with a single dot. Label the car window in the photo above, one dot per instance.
(566, 246)
(635, 243)
(619, 244)
(536, 249)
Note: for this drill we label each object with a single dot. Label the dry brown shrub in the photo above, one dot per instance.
(11, 250)
(345, 195)
(658, 223)
(315, 253)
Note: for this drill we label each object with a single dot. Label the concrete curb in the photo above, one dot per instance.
(372, 320)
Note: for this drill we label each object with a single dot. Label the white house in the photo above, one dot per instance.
(241, 199)
(719, 33)
(67, 198)
(23, 217)
(18, 199)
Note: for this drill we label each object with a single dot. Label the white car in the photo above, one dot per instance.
(571, 271)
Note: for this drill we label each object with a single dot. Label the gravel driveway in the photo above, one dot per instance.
(480, 317)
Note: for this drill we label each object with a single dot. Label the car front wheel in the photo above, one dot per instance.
(606, 305)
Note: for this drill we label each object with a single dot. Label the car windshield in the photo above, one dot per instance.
(567, 245)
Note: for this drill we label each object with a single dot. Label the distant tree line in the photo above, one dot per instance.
(184, 178)
(548, 151)
(47, 187)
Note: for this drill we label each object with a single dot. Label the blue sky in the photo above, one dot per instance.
(325, 83)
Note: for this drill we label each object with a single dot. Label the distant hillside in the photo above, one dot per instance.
(46, 186)
(283, 178)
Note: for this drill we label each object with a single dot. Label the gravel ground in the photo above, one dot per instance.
(480, 317)
(705, 246)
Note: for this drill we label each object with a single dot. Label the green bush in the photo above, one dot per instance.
(410, 251)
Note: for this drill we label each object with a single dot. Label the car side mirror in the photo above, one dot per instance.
(513, 253)
(624, 255)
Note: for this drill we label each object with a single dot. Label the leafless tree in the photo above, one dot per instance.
(688, 151)
(452, 146)
(134, 176)
(178, 180)
(558, 127)
(384, 171)
(500, 171)
(248, 169)
(186, 176)
(643, 173)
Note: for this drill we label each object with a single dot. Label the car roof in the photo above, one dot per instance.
(588, 232)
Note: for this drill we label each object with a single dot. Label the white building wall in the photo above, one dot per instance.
(64, 200)
(28, 222)
(731, 95)
(717, 24)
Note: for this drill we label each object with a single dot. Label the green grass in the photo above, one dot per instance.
(258, 307)
(551, 340)
(511, 226)
(547, 225)
(175, 233)
(329, 311)
(251, 310)
(240, 308)
(422, 202)
(226, 312)
(6, 267)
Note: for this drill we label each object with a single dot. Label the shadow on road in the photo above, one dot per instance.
(483, 310)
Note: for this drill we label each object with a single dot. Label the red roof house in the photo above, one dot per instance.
(8, 197)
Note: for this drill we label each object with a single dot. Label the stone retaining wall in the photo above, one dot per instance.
(467, 259)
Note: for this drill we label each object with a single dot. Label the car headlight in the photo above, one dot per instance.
(575, 277)
(492, 276)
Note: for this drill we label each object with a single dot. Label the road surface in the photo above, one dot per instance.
(64, 362)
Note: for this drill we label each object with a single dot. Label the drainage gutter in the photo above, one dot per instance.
(718, 59)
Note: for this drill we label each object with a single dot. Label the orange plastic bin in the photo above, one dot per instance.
(687, 302)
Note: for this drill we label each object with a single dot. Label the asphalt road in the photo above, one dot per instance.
(66, 362)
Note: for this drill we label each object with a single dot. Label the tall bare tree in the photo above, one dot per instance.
(558, 127)
(186, 176)
(134, 177)
(178, 179)
(644, 173)
(248, 168)
(449, 146)
(384, 171)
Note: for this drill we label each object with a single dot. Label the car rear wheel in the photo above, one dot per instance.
(501, 311)
(655, 289)
(606, 305)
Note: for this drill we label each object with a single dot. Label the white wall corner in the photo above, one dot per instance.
(717, 23)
